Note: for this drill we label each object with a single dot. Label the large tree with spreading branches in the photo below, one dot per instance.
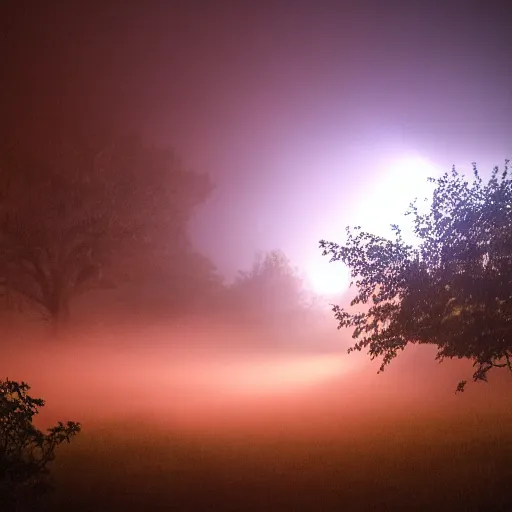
(79, 214)
(451, 289)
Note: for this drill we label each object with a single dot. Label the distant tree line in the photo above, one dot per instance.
(81, 214)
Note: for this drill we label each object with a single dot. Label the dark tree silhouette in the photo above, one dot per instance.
(86, 215)
(270, 290)
(25, 451)
(189, 285)
(452, 290)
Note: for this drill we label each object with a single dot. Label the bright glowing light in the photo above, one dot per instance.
(403, 180)
(328, 278)
(407, 176)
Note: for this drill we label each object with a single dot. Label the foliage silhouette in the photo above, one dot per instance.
(25, 451)
(452, 290)
(269, 291)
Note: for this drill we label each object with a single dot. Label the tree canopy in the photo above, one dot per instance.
(25, 451)
(79, 215)
(270, 289)
(453, 289)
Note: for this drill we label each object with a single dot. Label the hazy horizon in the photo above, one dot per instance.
(167, 170)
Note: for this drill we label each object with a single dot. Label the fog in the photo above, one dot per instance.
(167, 171)
(200, 416)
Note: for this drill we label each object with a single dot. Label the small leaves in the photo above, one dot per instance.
(461, 386)
(453, 290)
(25, 451)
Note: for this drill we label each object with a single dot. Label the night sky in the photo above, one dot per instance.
(296, 110)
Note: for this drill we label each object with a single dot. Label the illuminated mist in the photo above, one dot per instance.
(203, 361)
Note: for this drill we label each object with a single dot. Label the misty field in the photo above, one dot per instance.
(190, 426)
(413, 466)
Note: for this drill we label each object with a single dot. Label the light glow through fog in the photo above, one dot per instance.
(328, 278)
(402, 179)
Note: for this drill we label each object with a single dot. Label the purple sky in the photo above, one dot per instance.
(295, 108)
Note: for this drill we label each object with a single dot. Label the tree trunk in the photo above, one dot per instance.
(59, 315)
